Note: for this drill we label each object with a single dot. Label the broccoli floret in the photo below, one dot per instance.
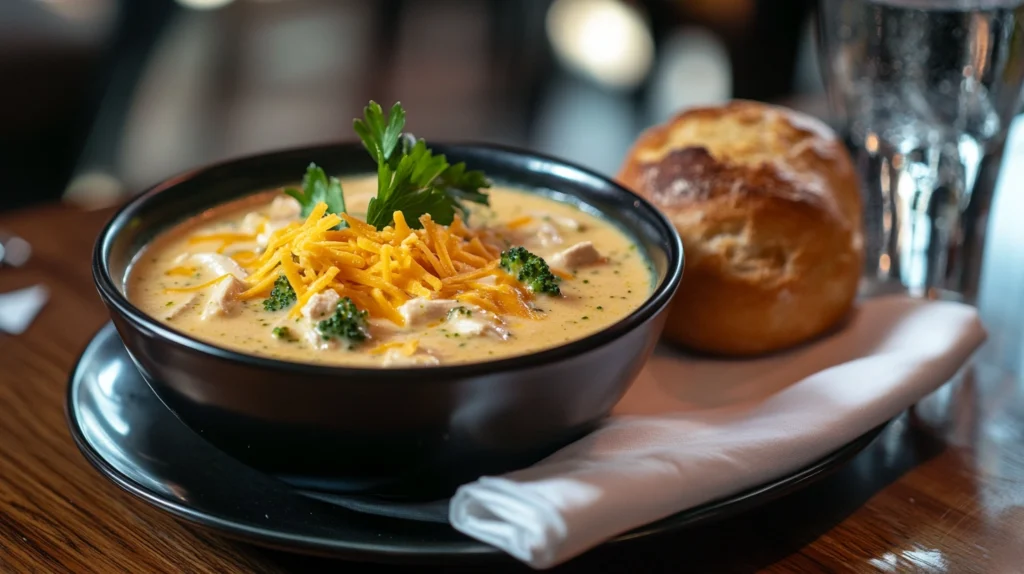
(348, 322)
(283, 333)
(530, 270)
(281, 296)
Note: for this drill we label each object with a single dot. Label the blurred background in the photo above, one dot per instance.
(107, 97)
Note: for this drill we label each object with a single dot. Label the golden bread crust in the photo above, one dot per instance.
(767, 204)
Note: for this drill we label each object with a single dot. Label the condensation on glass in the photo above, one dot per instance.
(926, 91)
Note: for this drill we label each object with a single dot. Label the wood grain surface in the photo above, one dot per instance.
(941, 490)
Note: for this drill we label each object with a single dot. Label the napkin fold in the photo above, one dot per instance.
(19, 308)
(692, 430)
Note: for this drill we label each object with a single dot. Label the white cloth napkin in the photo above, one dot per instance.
(693, 430)
(19, 308)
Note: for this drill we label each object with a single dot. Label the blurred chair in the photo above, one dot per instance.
(72, 60)
(161, 87)
(254, 76)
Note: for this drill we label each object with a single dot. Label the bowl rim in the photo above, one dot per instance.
(658, 299)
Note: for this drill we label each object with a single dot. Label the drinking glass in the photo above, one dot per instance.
(924, 91)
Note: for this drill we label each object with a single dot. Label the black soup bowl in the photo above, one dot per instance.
(415, 432)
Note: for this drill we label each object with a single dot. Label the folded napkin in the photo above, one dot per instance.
(19, 308)
(692, 430)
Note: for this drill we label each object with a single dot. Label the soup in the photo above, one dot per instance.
(416, 266)
(208, 277)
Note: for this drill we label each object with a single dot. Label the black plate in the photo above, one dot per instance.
(124, 430)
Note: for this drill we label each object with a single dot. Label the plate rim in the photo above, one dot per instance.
(709, 512)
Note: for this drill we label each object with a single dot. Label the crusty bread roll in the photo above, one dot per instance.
(768, 207)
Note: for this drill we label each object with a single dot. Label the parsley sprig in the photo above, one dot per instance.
(410, 177)
(317, 187)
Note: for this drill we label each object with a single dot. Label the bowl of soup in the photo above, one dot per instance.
(356, 351)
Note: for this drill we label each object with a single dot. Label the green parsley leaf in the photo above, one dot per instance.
(284, 334)
(380, 134)
(410, 178)
(409, 189)
(461, 185)
(317, 187)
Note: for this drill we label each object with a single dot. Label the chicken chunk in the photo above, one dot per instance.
(560, 220)
(382, 328)
(422, 357)
(583, 253)
(472, 321)
(272, 226)
(421, 311)
(219, 264)
(282, 211)
(536, 235)
(321, 305)
(318, 308)
(547, 235)
(284, 207)
(308, 331)
(223, 299)
(262, 227)
(252, 222)
(462, 318)
(478, 324)
(180, 308)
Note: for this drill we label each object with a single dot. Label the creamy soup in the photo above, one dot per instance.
(255, 276)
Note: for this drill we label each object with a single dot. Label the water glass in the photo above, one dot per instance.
(925, 91)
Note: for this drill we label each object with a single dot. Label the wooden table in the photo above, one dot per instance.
(941, 490)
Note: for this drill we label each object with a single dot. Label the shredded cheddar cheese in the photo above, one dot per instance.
(519, 222)
(222, 237)
(561, 273)
(381, 270)
(182, 271)
(407, 348)
(245, 257)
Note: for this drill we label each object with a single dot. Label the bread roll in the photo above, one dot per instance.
(768, 207)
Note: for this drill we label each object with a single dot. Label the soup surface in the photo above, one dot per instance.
(215, 277)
